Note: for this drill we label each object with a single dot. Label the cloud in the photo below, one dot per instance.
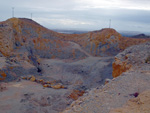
(83, 14)
(63, 23)
(109, 4)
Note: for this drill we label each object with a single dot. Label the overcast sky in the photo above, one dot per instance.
(127, 15)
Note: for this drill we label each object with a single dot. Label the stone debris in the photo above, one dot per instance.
(46, 84)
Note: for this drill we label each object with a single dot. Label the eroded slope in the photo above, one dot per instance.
(122, 88)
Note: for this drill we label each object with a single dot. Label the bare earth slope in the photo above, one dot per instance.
(141, 104)
(127, 86)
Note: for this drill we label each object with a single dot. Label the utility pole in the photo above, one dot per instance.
(13, 11)
(110, 23)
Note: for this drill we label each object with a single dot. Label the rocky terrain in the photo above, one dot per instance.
(46, 71)
(23, 40)
(127, 93)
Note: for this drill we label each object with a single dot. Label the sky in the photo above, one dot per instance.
(125, 15)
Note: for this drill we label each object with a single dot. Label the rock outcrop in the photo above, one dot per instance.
(131, 57)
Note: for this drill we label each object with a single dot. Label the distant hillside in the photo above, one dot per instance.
(141, 36)
(129, 33)
(105, 42)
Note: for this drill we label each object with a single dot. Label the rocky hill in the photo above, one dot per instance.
(25, 34)
(46, 71)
